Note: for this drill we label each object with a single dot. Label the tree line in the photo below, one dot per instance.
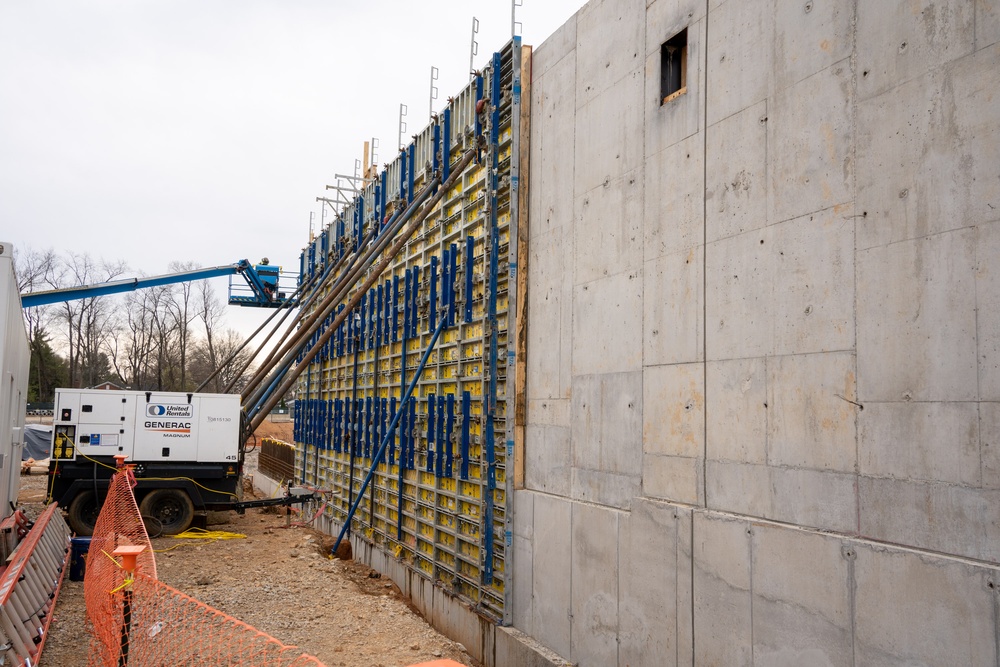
(165, 338)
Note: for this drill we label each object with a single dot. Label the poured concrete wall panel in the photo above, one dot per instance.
(608, 228)
(674, 213)
(917, 300)
(943, 620)
(673, 325)
(550, 311)
(736, 192)
(723, 615)
(737, 82)
(897, 42)
(800, 618)
(810, 148)
(782, 396)
(651, 606)
(987, 23)
(927, 152)
(552, 572)
(988, 310)
(595, 605)
(607, 325)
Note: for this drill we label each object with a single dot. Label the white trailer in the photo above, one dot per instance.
(15, 354)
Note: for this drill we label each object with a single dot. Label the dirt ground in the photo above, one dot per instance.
(280, 429)
(278, 579)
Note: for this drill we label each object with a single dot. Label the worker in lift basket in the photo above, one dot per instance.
(269, 281)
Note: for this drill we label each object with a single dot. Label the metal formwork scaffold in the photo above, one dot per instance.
(440, 493)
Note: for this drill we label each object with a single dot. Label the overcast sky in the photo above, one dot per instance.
(203, 130)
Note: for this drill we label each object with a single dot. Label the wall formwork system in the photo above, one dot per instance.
(440, 493)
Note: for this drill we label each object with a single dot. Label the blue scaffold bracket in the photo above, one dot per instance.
(446, 146)
(431, 431)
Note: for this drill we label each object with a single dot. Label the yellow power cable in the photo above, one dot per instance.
(201, 534)
(52, 482)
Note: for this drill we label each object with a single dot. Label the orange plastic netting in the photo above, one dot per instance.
(136, 620)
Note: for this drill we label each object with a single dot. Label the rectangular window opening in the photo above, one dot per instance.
(673, 67)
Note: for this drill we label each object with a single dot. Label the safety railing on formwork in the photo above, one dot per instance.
(438, 495)
(277, 459)
(138, 621)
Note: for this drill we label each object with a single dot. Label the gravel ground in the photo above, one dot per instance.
(279, 580)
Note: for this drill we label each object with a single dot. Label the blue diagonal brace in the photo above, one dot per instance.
(385, 441)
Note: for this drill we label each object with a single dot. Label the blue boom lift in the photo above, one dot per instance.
(261, 290)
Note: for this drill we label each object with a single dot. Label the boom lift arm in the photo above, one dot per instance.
(262, 279)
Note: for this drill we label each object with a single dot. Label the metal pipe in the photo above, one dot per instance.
(318, 281)
(404, 237)
(392, 427)
(295, 340)
(342, 286)
(255, 409)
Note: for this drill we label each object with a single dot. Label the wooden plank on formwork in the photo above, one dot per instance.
(521, 317)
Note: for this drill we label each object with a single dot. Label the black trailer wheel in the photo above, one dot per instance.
(171, 507)
(83, 511)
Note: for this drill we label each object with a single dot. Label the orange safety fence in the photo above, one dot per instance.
(135, 620)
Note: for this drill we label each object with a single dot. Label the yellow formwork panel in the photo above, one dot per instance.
(441, 517)
(424, 564)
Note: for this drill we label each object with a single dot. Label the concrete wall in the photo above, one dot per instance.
(763, 388)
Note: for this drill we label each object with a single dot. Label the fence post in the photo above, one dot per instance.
(128, 554)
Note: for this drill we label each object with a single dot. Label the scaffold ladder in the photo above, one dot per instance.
(29, 587)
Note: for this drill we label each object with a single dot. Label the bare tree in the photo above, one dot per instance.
(36, 270)
(210, 314)
(165, 372)
(182, 312)
(90, 321)
(132, 350)
(205, 360)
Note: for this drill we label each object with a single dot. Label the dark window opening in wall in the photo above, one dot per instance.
(673, 67)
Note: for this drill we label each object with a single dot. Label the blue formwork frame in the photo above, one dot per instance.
(489, 442)
(306, 404)
(405, 428)
(512, 328)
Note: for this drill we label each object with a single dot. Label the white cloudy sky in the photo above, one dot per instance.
(203, 130)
